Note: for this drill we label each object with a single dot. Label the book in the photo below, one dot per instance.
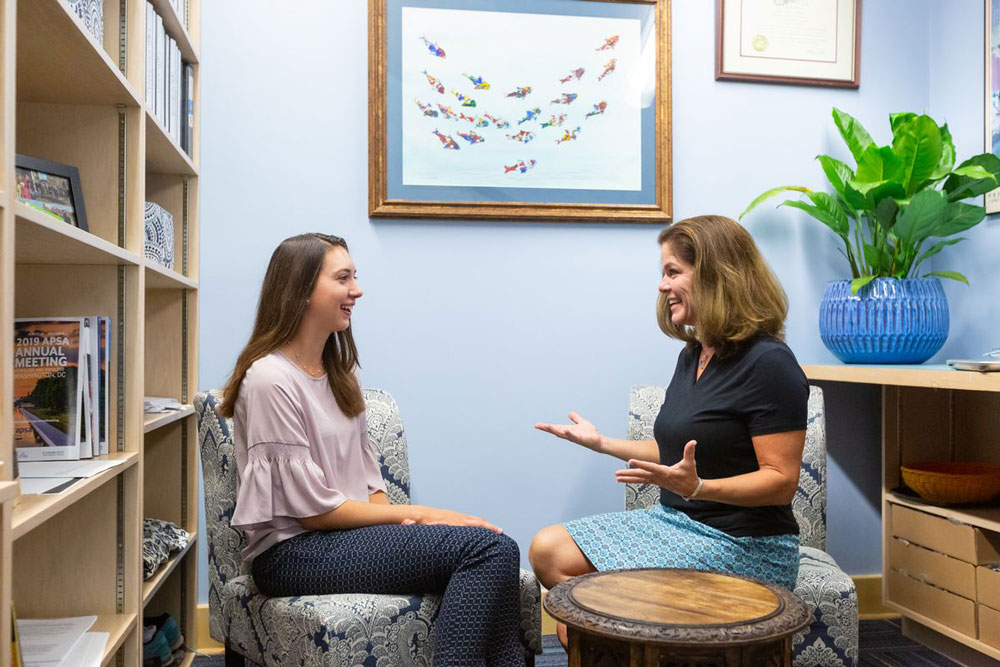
(48, 388)
(104, 384)
(150, 56)
(87, 364)
(187, 133)
(161, 38)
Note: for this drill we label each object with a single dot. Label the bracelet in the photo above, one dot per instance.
(697, 489)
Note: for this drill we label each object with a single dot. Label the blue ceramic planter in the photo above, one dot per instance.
(890, 321)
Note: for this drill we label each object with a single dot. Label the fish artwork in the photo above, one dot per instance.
(523, 136)
(520, 92)
(577, 73)
(433, 48)
(500, 123)
(565, 98)
(472, 137)
(478, 82)
(435, 84)
(598, 109)
(530, 114)
(449, 143)
(426, 108)
(555, 121)
(482, 122)
(608, 69)
(448, 113)
(464, 99)
(519, 167)
(609, 43)
(462, 116)
(568, 135)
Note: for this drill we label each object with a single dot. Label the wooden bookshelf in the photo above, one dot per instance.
(929, 413)
(69, 97)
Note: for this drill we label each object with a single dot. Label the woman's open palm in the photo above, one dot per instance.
(581, 431)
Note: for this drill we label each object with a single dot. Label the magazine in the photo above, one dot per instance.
(48, 388)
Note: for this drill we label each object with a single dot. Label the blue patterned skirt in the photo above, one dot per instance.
(664, 537)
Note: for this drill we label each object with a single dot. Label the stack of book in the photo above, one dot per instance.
(61, 387)
(169, 81)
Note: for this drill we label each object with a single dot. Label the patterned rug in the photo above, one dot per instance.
(882, 645)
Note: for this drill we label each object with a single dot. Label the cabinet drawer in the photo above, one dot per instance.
(948, 537)
(989, 626)
(947, 608)
(934, 568)
(988, 587)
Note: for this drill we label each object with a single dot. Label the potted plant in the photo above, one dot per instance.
(900, 206)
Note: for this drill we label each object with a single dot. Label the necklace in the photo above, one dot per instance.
(703, 360)
(309, 371)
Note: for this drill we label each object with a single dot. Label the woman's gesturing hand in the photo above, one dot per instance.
(432, 516)
(581, 431)
(680, 478)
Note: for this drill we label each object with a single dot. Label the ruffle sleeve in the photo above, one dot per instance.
(282, 481)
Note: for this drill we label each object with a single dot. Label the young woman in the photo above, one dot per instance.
(728, 439)
(310, 497)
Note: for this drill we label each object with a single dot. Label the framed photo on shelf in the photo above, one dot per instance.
(52, 188)
(524, 110)
(992, 93)
(802, 42)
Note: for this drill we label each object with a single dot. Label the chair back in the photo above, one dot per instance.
(809, 504)
(215, 440)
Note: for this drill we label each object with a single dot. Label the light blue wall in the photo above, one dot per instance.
(482, 329)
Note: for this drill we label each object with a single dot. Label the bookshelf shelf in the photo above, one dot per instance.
(153, 584)
(159, 277)
(985, 517)
(41, 239)
(174, 25)
(163, 155)
(9, 490)
(59, 62)
(118, 626)
(153, 421)
(31, 511)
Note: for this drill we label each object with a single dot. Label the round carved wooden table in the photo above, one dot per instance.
(676, 618)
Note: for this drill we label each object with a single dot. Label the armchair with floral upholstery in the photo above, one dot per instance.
(831, 640)
(347, 630)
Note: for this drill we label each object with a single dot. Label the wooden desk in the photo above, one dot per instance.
(674, 617)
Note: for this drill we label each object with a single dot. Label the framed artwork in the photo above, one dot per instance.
(992, 93)
(520, 110)
(52, 188)
(802, 42)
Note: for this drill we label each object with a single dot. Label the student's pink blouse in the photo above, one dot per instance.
(297, 453)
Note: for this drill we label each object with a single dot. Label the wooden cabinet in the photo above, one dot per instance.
(930, 553)
(69, 98)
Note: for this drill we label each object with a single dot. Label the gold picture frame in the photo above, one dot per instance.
(405, 179)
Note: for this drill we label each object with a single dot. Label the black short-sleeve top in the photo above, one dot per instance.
(757, 390)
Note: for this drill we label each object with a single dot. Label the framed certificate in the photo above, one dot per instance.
(802, 42)
(992, 96)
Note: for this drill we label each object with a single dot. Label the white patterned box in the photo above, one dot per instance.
(92, 13)
(159, 235)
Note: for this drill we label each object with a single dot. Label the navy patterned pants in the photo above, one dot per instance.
(476, 570)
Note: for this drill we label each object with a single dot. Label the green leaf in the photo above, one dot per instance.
(854, 134)
(770, 193)
(885, 212)
(825, 210)
(939, 246)
(947, 155)
(919, 218)
(969, 180)
(918, 144)
(954, 275)
(957, 218)
(858, 283)
(865, 196)
(836, 172)
(878, 259)
(879, 164)
(897, 120)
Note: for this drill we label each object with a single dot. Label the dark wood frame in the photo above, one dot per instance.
(57, 169)
(721, 75)
(380, 206)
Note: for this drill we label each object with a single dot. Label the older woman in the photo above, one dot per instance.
(728, 439)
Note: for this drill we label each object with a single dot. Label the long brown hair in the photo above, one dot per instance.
(736, 295)
(290, 279)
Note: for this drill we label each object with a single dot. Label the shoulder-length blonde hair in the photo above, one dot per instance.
(290, 279)
(736, 295)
